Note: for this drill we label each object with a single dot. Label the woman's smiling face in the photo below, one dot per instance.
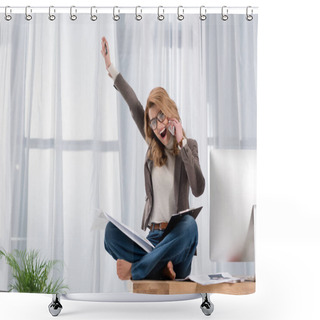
(161, 130)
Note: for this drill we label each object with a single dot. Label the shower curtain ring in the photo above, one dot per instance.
(73, 17)
(52, 17)
(28, 16)
(93, 16)
(8, 17)
(160, 16)
(203, 12)
(224, 13)
(180, 15)
(116, 17)
(249, 17)
(138, 16)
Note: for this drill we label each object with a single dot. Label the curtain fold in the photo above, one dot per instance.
(69, 145)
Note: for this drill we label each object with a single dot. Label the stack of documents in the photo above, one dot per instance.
(215, 278)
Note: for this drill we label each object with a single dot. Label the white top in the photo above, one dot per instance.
(163, 188)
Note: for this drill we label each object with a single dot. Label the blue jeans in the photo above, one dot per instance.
(178, 246)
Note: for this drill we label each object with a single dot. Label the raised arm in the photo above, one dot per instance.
(124, 88)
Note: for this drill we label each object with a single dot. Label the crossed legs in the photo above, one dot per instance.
(170, 258)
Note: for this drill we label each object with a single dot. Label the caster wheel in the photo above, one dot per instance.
(55, 307)
(207, 306)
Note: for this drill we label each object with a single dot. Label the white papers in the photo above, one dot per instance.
(142, 242)
(215, 278)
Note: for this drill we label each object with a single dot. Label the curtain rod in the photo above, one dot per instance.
(138, 11)
(127, 9)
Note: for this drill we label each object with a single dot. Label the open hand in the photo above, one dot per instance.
(105, 52)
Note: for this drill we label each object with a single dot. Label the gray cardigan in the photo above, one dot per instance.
(187, 171)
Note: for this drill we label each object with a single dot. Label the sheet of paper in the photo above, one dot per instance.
(142, 242)
(215, 278)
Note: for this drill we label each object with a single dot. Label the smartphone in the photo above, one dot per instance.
(171, 129)
(105, 45)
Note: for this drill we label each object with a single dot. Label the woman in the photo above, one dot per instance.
(171, 168)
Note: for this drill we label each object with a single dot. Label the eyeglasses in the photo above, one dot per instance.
(154, 122)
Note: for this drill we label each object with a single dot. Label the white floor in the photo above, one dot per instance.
(282, 293)
(28, 306)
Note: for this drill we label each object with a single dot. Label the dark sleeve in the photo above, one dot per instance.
(189, 156)
(131, 99)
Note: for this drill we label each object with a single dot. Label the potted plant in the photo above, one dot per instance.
(31, 273)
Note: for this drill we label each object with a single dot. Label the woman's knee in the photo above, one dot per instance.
(190, 224)
(188, 230)
(110, 235)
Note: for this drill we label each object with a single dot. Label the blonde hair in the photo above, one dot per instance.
(159, 97)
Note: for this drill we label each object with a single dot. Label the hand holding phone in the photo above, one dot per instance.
(175, 128)
(171, 128)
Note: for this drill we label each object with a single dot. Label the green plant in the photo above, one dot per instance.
(31, 273)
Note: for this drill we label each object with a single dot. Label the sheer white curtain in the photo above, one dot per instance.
(59, 143)
(170, 54)
(69, 145)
